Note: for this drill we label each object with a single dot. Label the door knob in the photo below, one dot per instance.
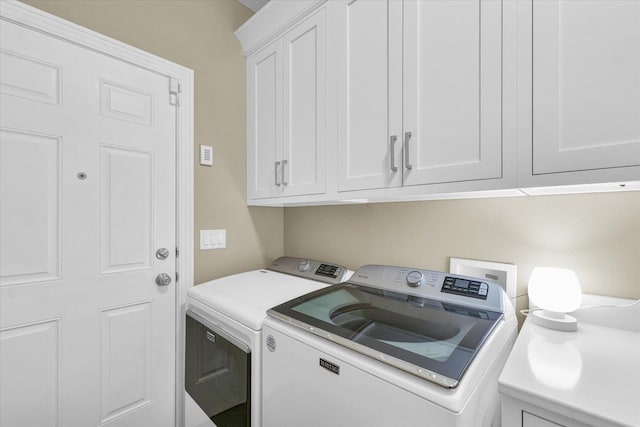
(162, 253)
(163, 279)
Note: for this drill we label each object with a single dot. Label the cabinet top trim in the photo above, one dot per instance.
(271, 21)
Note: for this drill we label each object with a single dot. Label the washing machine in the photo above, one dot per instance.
(391, 347)
(223, 335)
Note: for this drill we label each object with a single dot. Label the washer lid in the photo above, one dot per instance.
(432, 339)
(246, 297)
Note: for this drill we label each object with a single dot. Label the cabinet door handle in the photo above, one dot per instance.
(407, 158)
(276, 174)
(284, 163)
(393, 138)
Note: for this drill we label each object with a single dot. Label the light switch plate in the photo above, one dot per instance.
(213, 239)
(206, 155)
(503, 274)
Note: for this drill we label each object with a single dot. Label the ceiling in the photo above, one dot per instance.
(254, 5)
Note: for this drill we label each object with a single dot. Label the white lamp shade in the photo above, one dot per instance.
(555, 289)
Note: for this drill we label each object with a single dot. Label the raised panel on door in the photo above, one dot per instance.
(586, 85)
(30, 194)
(369, 94)
(30, 78)
(452, 91)
(305, 107)
(30, 372)
(125, 356)
(264, 122)
(126, 210)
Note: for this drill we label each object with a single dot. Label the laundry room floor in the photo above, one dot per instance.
(234, 417)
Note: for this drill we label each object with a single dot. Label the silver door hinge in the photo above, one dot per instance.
(175, 88)
(177, 251)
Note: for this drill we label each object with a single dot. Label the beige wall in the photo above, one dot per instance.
(596, 235)
(199, 35)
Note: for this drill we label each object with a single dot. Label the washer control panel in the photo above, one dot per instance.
(415, 278)
(466, 287)
(418, 284)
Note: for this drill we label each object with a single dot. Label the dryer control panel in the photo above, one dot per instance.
(311, 269)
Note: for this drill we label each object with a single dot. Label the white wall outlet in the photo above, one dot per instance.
(206, 155)
(213, 239)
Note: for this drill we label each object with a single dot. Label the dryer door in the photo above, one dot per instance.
(217, 372)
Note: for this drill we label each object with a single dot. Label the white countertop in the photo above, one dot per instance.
(592, 375)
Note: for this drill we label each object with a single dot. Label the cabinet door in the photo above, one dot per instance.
(532, 420)
(264, 122)
(452, 91)
(586, 85)
(369, 94)
(305, 107)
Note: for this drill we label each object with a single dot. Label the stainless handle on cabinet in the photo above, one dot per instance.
(394, 138)
(276, 174)
(407, 158)
(284, 162)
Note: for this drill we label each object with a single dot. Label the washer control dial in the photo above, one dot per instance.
(415, 278)
(304, 266)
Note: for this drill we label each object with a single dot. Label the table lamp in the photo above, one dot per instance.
(556, 291)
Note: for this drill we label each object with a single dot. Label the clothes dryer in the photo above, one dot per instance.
(223, 334)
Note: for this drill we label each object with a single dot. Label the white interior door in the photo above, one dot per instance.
(87, 196)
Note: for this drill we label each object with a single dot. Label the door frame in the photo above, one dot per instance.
(43, 22)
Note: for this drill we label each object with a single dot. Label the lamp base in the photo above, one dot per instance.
(553, 320)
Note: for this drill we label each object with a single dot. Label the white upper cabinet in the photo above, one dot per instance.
(354, 101)
(264, 115)
(581, 87)
(305, 107)
(369, 94)
(286, 113)
(420, 92)
(452, 91)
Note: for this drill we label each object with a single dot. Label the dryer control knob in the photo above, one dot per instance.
(304, 266)
(414, 279)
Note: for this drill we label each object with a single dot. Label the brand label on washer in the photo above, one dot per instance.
(330, 366)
